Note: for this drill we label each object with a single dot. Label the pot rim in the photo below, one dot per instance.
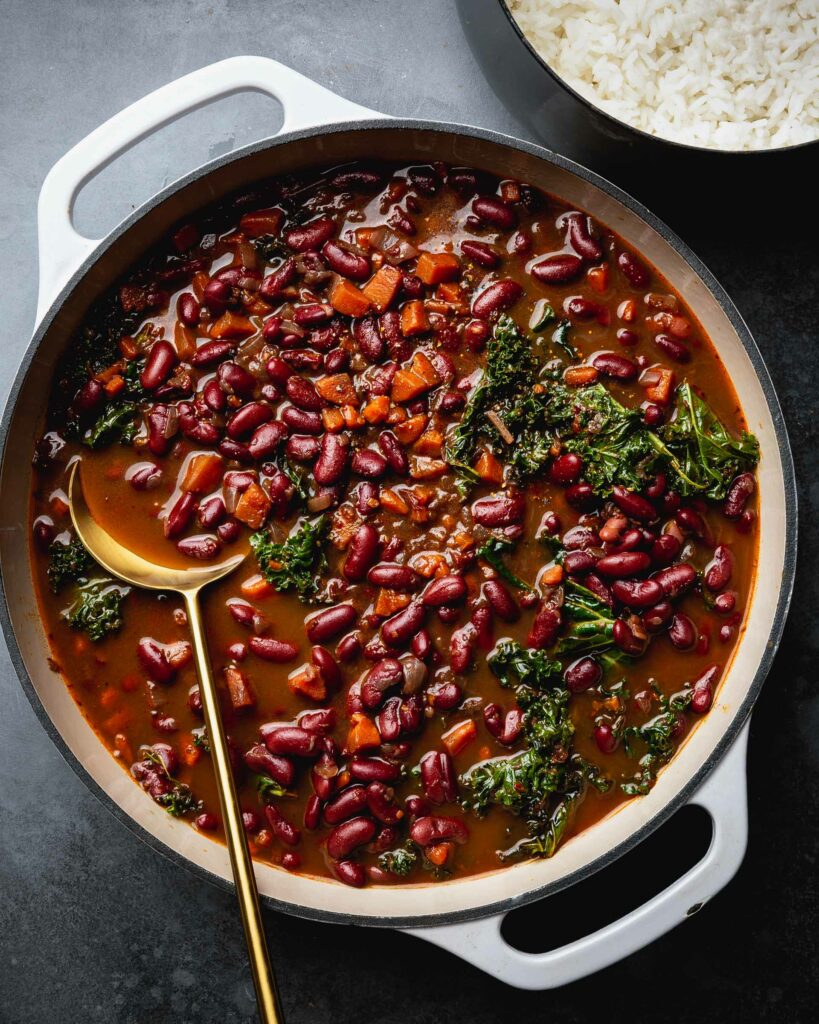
(659, 139)
(789, 524)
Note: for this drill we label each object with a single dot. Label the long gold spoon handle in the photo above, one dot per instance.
(248, 896)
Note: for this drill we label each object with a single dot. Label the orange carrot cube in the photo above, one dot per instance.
(435, 267)
(459, 736)
(253, 507)
(202, 474)
(414, 318)
(382, 287)
(349, 300)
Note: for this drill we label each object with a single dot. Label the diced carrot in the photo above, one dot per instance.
(239, 691)
(128, 348)
(578, 376)
(253, 506)
(397, 414)
(332, 420)
(231, 325)
(510, 191)
(435, 267)
(439, 853)
(362, 734)
(393, 502)
(118, 722)
(552, 575)
(109, 698)
(190, 753)
(308, 682)
(200, 280)
(203, 473)
(427, 564)
(407, 386)
(257, 587)
(463, 540)
(389, 601)
(414, 318)
(179, 654)
(423, 368)
(459, 736)
(184, 341)
(353, 420)
(262, 222)
(382, 287)
(661, 391)
(110, 371)
(424, 468)
(257, 307)
(343, 779)
(452, 293)
(364, 237)
(376, 410)
(114, 385)
(410, 430)
(598, 277)
(348, 300)
(429, 443)
(484, 753)
(338, 389)
(488, 468)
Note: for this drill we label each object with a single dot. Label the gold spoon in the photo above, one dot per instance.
(131, 568)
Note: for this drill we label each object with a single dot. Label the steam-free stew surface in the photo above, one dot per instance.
(500, 500)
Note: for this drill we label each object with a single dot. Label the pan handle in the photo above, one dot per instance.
(724, 796)
(62, 249)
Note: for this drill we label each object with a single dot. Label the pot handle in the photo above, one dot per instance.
(724, 796)
(62, 249)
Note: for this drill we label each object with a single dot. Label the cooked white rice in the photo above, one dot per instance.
(726, 74)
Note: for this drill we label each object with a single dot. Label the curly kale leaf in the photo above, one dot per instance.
(708, 456)
(268, 788)
(97, 609)
(401, 861)
(515, 665)
(657, 737)
(492, 552)
(297, 563)
(591, 623)
(177, 801)
(117, 422)
(68, 563)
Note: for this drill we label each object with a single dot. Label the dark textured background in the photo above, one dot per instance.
(94, 926)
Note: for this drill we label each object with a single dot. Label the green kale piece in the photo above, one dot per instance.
(400, 861)
(515, 665)
(297, 563)
(179, 800)
(68, 563)
(97, 609)
(116, 422)
(591, 623)
(268, 788)
(560, 338)
(657, 739)
(492, 551)
(706, 457)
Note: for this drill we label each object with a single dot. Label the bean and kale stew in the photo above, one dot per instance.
(497, 499)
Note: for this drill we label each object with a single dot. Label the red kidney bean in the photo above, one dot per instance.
(290, 740)
(181, 515)
(143, 476)
(725, 603)
(611, 364)
(438, 777)
(302, 448)
(312, 813)
(393, 452)
(235, 380)
(493, 719)
(739, 492)
(388, 720)
(496, 297)
(332, 459)
(682, 632)
(216, 295)
(302, 421)
(558, 268)
(658, 617)
(212, 352)
(421, 644)
(579, 236)
(393, 576)
(361, 553)
(167, 756)
(665, 549)
(653, 415)
(207, 822)
(312, 313)
(676, 579)
(499, 510)
(336, 360)
(234, 450)
(381, 804)
(348, 649)
(417, 806)
(462, 648)
(605, 738)
(719, 570)
(626, 563)
(581, 495)
(376, 649)
(358, 179)
(366, 498)
(399, 629)
(629, 541)
(634, 505)
(344, 262)
(259, 759)
(501, 600)
(350, 873)
(302, 393)
(266, 439)
(211, 512)
(447, 697)
(373, 769)
(582, 674)
(625, 638)
(214, 397)
(313, 235)
(627, 338)
(578, 538)
(578, 563)
(370, 343)
(446, 590)
(347, 804)
(272, 650)
(637, 593)
(228, 532)
(633, 269)
(248, 418)
(281, 827)
(566, 468)
(703, 690)
(327, 666)
(689, 520)
(593, 583)
(448, 614)
(392, 549)
(381, 381)
(44, 532)
(89, 398)
(325, 625)
(673, 348)
(280, 279)
(492, 210)
(320, 720)
(433, 829)
(483, 622)
(368, 463)
(153, 659)
(161, 360)
(545, 627)
(188, 309)
(481, 253)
